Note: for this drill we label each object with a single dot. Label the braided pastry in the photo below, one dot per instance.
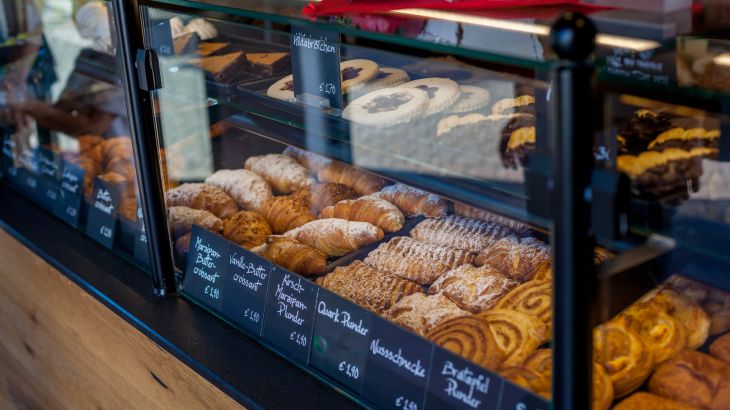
(292, 255)
(623, 355)
(369, 208)
(320, 196)
(368, 286)
(470, 338)
(202, 196)
(517, 334)
(534, 298)
(463, 233)
(517, 258)
(246, 228)
(247, 188)
(181, 219)
(473, 289)
(336, 237)
(417, 261)
(283, 173)
(420, 313)
(413, 202)
(284, 213)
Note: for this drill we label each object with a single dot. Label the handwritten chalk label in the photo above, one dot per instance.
(8, 159)
(206, 268)
(48, 169)
(456, 383)
(162, 35)
(315, 58)
(71, 189)
(247, 283)
(30, 184)
(394, 354)
(102, 220)
(289, 313)
(141, 251)
(653, 66)
(517, 398)
(341, 337)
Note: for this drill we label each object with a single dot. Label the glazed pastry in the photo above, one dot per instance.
(685, 311)
(523, 104)
(529, 379)
(473, 289)
(283, 173)
(367, 286)
(247, 188)
(517, 334)
(336, 237)
(442, 93)
(517, 258)
(534, 298)
(662, 334)
(419, 262)
(471, 212)
(387, 107)
(364, 183)
(720, 348)
(292, 255)
(181, 219)
(623, 355)
(321, 195)
(470, 338)
(202, 196)
(284, 213)
(413, 202)
(643, 401)
(695, 378)
(463, 233)
(369, 208)
(420, 313)
(313, 162)
(246, 228)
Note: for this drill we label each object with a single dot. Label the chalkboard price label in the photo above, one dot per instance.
(8, 158)
(206, 268)
(71, 189)
(516, 398)
(102, 220)
(247, 283)
(289, 313)
(162, 35)
(48, 168)
(316, 66)
(458, 384)
(398, 363)
(141, 251)
(341, 337)
(30, 184)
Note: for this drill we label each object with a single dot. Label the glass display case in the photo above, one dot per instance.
(66, 136)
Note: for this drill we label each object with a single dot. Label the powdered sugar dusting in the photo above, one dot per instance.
(283, 173)
(463, 233)
(310, 160)
(247, 188)
(515, 257)
(421, 313)
(473, 289)
(335, 236)
(413, 201)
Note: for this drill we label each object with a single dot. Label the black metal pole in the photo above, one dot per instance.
(149, 175)
(571, 133)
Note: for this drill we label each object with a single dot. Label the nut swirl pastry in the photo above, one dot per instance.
(413, 202)
(367, 286)
(322, 195)
(624, 356)
(420, 313)
(368, 208)
(517, 258)
(534, 298)
(529, 379)
(470, 338)
(283, 173)
(473, 289)
(246, 228)
(202, 196)
(695, 378)
(463, 233)
(247, 188)
(685, 311)
(292, 255)
(663, 335)
(420, 262)
(517, 334)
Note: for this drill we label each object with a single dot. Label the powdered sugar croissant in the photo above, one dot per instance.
(336, 237)
(413, 201)
(369, 208)
(283, 173)
(247, 188)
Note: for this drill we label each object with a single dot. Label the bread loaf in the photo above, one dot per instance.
(336, 237)
(413, 202)
(292, 255)
(374, 210)
(695, 378)
(720, 348)
(284, 174)
(247, 188)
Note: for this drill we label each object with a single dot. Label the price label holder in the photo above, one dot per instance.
(458, 384)
(206, 268)
(8, 159)
(315, 59)
(398, 363)
(29, 183)
(247, 284)
(289, 313)
(341, 337)
(48, 168)
(162, 38)
(652, 66)
(141, 251)
(102, 220)
(71, 189)
(517, 398)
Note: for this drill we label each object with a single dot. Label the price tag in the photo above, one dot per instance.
(398, 363)
(458, 384)
(29, 183)
(141, 251)
(516, 398)
(289, 312)
(315, 58)
(102, 220)
(653, 66)
(71, 189)
(246, 286)
(8, 159)
(206, 267)
(162, 38)
(48, 168)
(341, 339)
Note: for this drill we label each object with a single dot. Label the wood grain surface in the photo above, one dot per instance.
(62, 349)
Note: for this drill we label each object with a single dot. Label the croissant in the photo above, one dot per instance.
(247, 188)
(180, 220)
(283, 173)
(292, 255)
(284, 213)
(310, 160)
(369, 208)
(336, 237)
(320, 196)
(246, 228)
(413, 202)
(362, 182)
(202, 196)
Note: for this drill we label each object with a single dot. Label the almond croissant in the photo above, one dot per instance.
(284, 213)
(336, 237)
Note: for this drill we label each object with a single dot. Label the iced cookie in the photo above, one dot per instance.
(442, 93)
(283, 89)
(472, 99)
(387, 106)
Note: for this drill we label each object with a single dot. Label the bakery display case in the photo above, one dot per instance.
(66, 136)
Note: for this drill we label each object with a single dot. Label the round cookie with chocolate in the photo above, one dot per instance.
(283, 89)
(386, 77)
(355, 73)
(387, 106)
(472, 99)
(442, 93)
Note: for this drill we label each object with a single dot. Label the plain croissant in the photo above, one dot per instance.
(293, 255)
(374, 210)
(413, 201)
(284, 213)
(362, 182)
(336, 237)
